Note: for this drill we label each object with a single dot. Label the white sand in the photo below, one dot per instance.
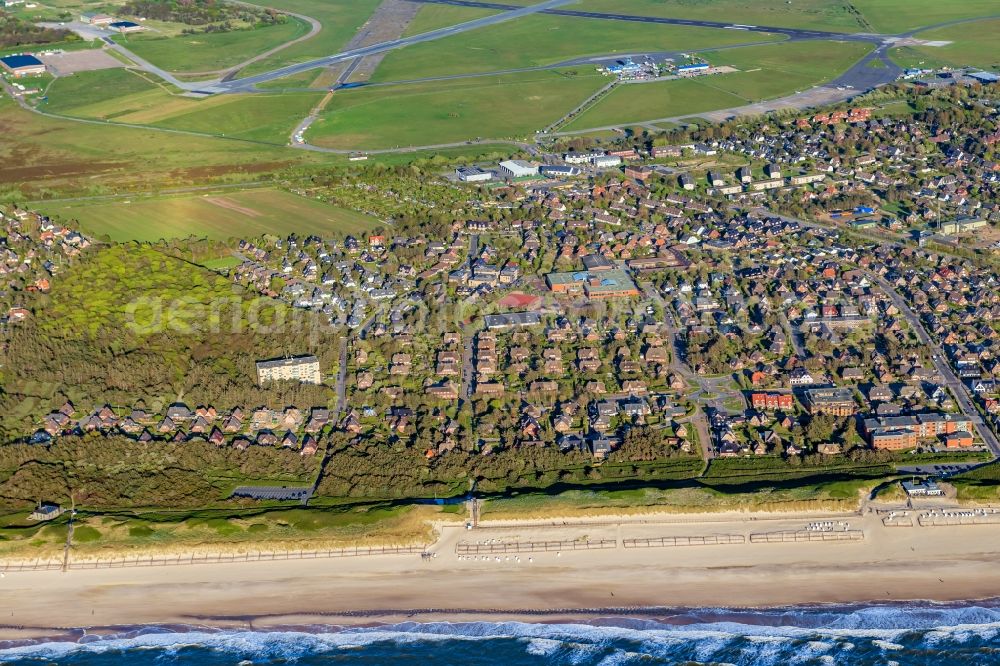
(941, 563)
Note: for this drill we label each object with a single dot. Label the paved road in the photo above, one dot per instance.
(341, 381)
(678, 366)
(951, 380)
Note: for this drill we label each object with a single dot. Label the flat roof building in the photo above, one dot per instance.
(831, 401)
(558, 170)
(517, 169)
(598, 285)
(512, 320)
(304, 369)
(23, 65)
(125, 27)
(96, 18)
(471, 174)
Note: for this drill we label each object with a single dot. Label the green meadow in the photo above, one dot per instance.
(895, 16)
(126, 97)
(341, 20)
(207, 52)
(545, 40)
(497, 107)
(972, 44)
(832, 15)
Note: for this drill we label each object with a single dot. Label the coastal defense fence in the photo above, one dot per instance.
(490, 548)
(796, 536)
(951, 518)
(220, 558)
(669, 542)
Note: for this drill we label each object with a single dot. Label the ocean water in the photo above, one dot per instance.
(933, 634)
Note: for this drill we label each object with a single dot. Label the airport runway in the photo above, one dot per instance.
(249, 82)
(789, 32)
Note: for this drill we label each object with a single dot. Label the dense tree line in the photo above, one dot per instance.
(217, 16)
(16, 32)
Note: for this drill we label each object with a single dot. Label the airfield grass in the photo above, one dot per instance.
(497, 107)
(126, 97)
(896, 16)
(211, 51)
(972, 44)
(341, 20)
(650, 101)
(781, 69)
(545, 40)
(432, 17)
(219, 216)
(832, 15)
(41, 157)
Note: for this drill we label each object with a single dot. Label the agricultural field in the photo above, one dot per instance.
(127, 97)
(496, 107)
(768, 71)
(222, 216)
(831, 15)
(545, 40)
(972, 44)
(210, 52)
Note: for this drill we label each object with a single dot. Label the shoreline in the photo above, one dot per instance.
(899, 565)
(391, 619)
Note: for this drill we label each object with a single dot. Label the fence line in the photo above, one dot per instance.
(465, 548)
(666, 542)
(179, 560)
(806, 535)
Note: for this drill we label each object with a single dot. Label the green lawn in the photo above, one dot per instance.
(972, 44)
(497, 107)
(766, 72)
(212, 51)
(545, 40)
(217, 216)
(895, 16)
(341, 20)
(832, 15)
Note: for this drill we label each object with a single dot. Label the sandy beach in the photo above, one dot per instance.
(889, 563)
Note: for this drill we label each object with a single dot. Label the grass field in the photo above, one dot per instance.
(544, 40)
(432, 17)
(341, 20)
(832, 15)
(245, 214)
(212, 51)
(126, 97)
(40, 156)
(976, 44)
(448, 111)
(895, 16)
(780, 69)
